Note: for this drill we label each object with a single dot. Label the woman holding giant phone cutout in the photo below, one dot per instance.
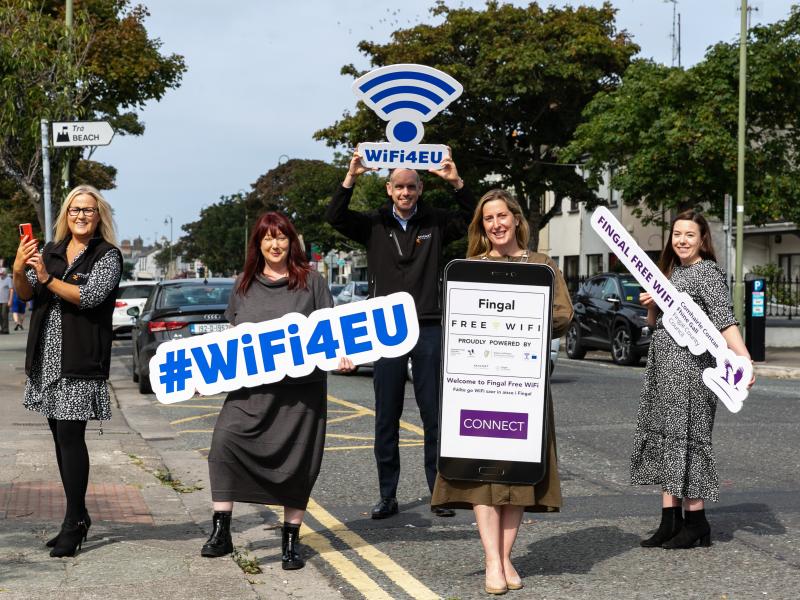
(672, 444)
(268, 440)
(499, 232)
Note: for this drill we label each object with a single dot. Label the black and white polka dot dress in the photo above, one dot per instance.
(46, 391)
(672, 445)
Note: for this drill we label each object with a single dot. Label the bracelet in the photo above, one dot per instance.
(49, 279)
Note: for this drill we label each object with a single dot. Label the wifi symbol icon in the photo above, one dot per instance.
(406, 95)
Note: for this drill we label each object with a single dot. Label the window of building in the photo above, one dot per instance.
(573, 205)
(570, 271)
(790, 265)
(594, 264)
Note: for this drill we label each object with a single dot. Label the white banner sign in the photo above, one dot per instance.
(685, 321)
(253, 354)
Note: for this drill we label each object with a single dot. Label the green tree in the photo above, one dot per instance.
(217, 237)
(527, 74)
(670, 135)
(107, 68)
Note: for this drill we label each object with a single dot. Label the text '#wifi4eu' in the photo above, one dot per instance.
(406, 96)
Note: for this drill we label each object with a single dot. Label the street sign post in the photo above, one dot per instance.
(82, 133)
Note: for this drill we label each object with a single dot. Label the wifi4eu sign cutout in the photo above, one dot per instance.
(406, 96)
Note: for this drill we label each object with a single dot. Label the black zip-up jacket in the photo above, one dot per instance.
(404, 261)
(86, 334)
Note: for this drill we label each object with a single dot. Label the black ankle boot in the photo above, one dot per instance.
(291, 558)
(54, 540)
(72, 536)
(671, 523)
(695, 529)
(220, 542)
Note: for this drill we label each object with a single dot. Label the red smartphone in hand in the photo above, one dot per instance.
(25, 229)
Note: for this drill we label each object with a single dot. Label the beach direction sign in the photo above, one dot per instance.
(683, 319)
(82, 133)
(406, 96)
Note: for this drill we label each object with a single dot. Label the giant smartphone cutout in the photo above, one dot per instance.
(495, 371)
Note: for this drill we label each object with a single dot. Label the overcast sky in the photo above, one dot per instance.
(264, 75)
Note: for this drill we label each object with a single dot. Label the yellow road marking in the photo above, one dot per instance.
(194, 418)
(367, 438)
(191, 406)
(351, 572)
(412, 586)
(411, 445)
(348, 417)
(404, 424)
(346, 568)
(182, 431)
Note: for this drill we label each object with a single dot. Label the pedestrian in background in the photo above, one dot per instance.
(499, 232)
(5, 299)
(17, 310)
(74, 281)
(404, 241)
(268, 440)
(672, 445)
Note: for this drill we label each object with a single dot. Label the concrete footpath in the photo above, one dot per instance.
(150, 507)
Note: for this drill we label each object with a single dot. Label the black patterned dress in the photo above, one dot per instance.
(672, 445)
(46, 391)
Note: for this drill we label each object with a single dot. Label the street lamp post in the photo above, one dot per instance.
(738, 287)
(168, 219)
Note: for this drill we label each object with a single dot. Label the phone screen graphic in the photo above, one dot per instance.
(495, 366)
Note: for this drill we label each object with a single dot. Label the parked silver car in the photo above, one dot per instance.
(352, 292)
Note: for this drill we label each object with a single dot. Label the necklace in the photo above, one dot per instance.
(522, 257)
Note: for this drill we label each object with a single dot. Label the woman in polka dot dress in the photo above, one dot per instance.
(672, 444)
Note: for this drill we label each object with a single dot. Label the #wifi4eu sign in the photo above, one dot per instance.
(253, 354)
(406, 96)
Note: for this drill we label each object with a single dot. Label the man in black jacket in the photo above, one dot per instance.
(404, 241)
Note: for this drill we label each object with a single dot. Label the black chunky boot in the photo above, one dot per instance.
(671, 523)
(695, 529)
(220, 542)
(291, 559)
(72, 536)
(54, 540)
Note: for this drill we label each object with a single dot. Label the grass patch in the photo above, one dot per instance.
(165, 477)
(246, 563)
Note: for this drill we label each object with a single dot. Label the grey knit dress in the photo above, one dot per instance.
(268, 440)
(672, 444)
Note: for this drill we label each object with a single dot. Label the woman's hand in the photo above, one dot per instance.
(27, 248)
(345, 365)
(646, 300)
(37, 263)
(752, 378)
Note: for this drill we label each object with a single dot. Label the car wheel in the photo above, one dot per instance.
(144, 385)
(622, 351)
(135, 375)
(574, 347)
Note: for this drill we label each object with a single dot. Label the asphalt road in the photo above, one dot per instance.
(588, 550)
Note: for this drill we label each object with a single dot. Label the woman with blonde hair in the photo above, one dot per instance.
(73, 281)
(499, 232)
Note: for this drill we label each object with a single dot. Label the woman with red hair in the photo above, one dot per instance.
(268, 440)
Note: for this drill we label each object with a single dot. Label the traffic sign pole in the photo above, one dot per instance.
(48, 217)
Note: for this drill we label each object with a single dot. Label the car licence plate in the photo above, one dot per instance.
(197, 328)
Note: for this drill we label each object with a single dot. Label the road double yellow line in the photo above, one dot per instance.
(400, 576)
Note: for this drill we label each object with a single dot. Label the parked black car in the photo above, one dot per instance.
(175, 309)
(608, 316)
